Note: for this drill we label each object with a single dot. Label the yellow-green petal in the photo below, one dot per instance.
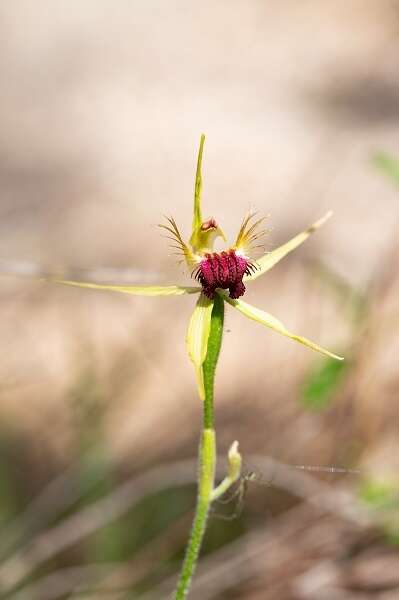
(268, 261)
(197, 338)
(264, 318)
(138, 290)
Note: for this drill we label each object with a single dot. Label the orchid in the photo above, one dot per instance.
(223, 273)
(221, 277)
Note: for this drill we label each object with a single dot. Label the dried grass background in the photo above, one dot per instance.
(101, 110)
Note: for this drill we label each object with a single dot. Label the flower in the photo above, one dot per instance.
(222, 273)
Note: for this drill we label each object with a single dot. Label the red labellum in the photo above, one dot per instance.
(223, 270)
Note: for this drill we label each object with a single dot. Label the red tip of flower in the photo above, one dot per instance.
(224, 270)
(210, 224)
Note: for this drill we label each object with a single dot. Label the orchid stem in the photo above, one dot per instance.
(206, 454)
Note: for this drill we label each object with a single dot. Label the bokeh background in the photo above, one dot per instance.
(101, 109)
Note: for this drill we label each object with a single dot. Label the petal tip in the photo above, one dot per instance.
(320, 222)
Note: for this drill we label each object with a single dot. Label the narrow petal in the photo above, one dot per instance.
(268, 261)
(138, 290)
(197, 218)
(264, 318)
(182, 248)
(250, 234)
(197, 338)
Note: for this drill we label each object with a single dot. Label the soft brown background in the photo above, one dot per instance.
(101, 109)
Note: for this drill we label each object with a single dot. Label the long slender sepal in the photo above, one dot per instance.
(196, 236)
(266, 262)
(138, 290)
(264, 318)
(197, 217)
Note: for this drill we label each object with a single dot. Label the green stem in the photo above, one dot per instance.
(206, 454)
(212, 355)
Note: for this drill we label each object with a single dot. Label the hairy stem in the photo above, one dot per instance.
(207, 453)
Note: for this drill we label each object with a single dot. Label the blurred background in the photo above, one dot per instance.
(101, 109)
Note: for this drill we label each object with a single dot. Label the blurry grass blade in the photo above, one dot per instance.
(197, 338)
(322, 382)
(387, 165)
(380, 494)
(264, 318)
(266, 262)
(138, 290)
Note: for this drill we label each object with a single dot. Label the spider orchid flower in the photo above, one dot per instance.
(224, 273)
